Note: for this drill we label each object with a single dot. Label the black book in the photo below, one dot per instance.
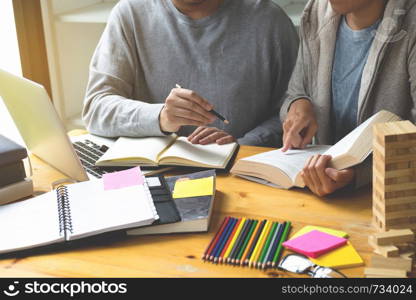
(195, 212)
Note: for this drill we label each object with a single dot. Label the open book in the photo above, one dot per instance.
(170, 150)
(282, 169)
(73, 212)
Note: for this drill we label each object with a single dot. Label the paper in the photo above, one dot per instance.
(153, 181)
(123, 179)
(194, 188)
(309, 228)
(314, 243)
(343, 257)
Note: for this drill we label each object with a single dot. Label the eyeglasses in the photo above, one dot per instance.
(300, 264)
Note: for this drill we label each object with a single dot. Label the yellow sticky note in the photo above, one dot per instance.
(194, 188)
(343, 257)
(309, 228)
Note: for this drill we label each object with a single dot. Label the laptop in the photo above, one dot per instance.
(44, 133)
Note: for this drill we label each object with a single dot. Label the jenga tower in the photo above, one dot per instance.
(394, 175)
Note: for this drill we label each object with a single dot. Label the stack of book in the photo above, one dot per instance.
(14, 184)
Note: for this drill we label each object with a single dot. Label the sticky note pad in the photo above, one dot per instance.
(343, 257)
(330, 231)
(194, 188)
(123, 179)
(314, 243)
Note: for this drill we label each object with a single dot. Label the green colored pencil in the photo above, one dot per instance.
(244, 246)
(279, 248)
(272, 243)
(238, 242)
(267, 244)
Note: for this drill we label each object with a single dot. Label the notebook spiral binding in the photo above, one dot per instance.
(64, 209)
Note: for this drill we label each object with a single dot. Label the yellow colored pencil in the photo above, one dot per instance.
(263, 244)
(237, 233)
(250, 243)
(256, 253)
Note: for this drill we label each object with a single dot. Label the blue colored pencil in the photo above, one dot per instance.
(276, 243)
(240, 241)
(224, 240)
(218, 244)
(269, 250)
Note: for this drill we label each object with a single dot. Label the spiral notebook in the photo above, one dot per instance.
(73, 212)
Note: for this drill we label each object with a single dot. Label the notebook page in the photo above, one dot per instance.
(126, 148)
(290, 162)
(94, 210)
(29, 223)
(211, 155)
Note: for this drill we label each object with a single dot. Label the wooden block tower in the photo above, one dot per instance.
(394, 175)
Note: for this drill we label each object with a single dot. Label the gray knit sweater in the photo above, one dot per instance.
(240, 59)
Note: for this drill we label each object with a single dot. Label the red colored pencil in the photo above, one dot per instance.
(229, 241)
(215, 239)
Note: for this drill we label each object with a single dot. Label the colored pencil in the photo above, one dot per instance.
(266, 248)
(234, 239)
(220, 239)
(259, 245)
(279, 248)
(228, 242)
(223, 240)
(262, 245)
(244, 247)
(215, 239)
(239, 241)
(254, 241)
(275, 243)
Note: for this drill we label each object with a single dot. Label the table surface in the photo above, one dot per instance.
(179, 255)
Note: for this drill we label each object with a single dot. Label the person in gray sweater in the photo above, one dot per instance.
(356, 57)
(235, 56)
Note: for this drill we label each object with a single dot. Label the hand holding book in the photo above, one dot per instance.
(322, 180)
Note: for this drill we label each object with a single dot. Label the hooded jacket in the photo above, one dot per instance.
(389, 76)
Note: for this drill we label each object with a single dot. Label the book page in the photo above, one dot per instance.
(135, 150)
(95, 210)
(30, 223)
(212, 155)
(290, 162)
(358, 143)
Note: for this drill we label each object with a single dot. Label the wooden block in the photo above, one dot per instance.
(397, 263)
(393, 237)
(386, 273)
(386, 251)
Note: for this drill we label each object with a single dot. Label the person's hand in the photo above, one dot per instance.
(185, 107)
(300, 125)
(322, 180)
(207, 135)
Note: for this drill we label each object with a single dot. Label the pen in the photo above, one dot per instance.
(212, 111)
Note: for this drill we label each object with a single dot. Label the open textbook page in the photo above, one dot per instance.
(277, 167)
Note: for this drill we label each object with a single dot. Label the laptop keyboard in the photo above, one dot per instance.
(88, 153)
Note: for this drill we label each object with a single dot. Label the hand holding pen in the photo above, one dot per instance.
(185, 107)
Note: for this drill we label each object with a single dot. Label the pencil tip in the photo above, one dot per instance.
(226, 122)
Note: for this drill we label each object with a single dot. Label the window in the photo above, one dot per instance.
(9, 61)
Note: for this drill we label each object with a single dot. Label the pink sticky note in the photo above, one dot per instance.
(122, 179)
(314, 243)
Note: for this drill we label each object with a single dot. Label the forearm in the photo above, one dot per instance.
(114, 116)
(267, 134)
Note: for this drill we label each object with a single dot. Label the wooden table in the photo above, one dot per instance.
(179, 255)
